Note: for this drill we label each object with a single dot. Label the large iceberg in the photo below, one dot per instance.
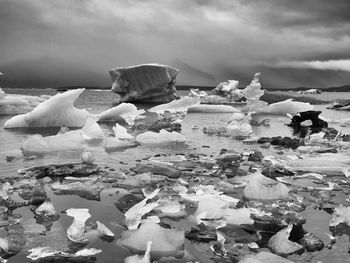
(57, 111)
(145, 83)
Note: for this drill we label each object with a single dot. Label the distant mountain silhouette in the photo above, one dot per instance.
(49, 72)
(190, 75)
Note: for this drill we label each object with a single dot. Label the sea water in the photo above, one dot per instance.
(99, 100)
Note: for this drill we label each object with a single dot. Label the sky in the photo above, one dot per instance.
(75, 42)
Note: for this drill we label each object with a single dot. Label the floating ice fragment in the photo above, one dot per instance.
(45, 253)
(281, 245)
(141, 259)
(116, 113)
(57, 111)
(46, 209)
(263, 188)
(121, 132)
(341, 215)
(103, 230)
(91, 130)
(253, 90)
(163, 137)
(208, 108)
(176, 106)
(134, 214)
(76, 232)
(165, 242)
(87, 158)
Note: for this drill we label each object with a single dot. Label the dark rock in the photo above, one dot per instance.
(233, 172)
(157, 169)
(228, 159)
(56, 171)
(127, 201)
(16, 240)
(317, 123)
(256, 156)
(286, 142)
(153, 122)
(264, 140)
(273, 171)
(311, 243)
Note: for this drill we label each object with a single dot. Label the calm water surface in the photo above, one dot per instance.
(96, 101)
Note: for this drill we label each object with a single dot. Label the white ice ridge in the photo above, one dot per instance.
(57, 111)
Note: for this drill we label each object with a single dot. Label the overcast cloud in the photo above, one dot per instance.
(206, 34)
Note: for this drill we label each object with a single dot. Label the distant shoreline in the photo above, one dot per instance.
(345, 88)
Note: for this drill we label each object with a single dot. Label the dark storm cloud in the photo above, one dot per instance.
(205, 34)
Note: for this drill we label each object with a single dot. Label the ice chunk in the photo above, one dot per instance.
(341, 215)
(46, 209)
(238, 216)
(212, 108)
(239, 125)
(116, 113)
(264, 257)
(169, 207)
(76, 232)
(87, 158)
(176, 106)
(165, 242)
(163, 137)
(57, 111)
(134, 214)
(114, 144)
(121, 132)
(281, 245)
(37, 144)
(263, 188)
(71, 140)
(197, 93)
(141, 259)
(47, 253)
(288, 106)
(325, 163)
(253, 90)
(91, 130)
(122, 139)
(103, 230)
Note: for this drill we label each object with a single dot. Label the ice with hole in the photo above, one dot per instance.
(77, 231)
